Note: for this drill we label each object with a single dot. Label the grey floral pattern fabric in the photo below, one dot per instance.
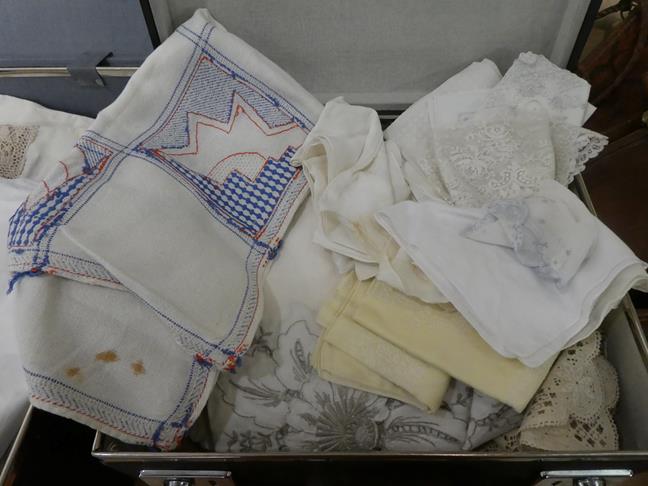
(276, 402)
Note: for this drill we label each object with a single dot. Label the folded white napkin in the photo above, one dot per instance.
(352, 173)
(173, 205)
(520, 314)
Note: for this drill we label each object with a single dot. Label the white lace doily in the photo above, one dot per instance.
(572, 411)
(14, 142)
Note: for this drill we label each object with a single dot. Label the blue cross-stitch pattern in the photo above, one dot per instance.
(27, 224)
(93, 154)
(211, 93)
(247, 204)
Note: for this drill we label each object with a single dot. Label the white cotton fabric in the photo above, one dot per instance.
(520, 314)
(56, 132)
(351, 173)
(550, 235)
(14, 395)
(412, 129)
(304, 274)
(149, 246)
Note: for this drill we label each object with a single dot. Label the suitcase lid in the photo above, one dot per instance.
(388, 54)
(57, 32)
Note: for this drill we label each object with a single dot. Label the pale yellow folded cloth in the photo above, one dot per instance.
(378, 339)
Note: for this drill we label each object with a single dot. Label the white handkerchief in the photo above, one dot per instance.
(548, 233)
(520, 314)
(352, 173)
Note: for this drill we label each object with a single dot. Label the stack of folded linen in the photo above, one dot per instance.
(526, 269)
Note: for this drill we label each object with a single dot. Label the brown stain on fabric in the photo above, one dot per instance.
(73, 372)
(138, 367)
(107, 356)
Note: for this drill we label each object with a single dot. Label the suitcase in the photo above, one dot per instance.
(387, 55)
(75, 55)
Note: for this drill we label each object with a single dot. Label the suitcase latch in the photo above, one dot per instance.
(159, 477)
(84, 69)
(587, 477)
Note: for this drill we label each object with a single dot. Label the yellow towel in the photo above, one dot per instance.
(412, 344)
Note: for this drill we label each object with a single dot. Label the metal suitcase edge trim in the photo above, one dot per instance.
(15, 446)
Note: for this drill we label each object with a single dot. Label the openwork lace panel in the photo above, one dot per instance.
(14, 142)
(572, 411)
(495, 159)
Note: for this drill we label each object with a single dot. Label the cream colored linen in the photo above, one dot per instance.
(417, 342)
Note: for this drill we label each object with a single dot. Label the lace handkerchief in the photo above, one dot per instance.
(497, 158)
(533, 83)
(474, 133)
(172, 206)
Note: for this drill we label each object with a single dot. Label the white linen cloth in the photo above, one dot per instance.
(546, 234)
(172, 205)
(520, 314)
(352, 173)
(411, 131)
(304, 273)
(25, 159)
